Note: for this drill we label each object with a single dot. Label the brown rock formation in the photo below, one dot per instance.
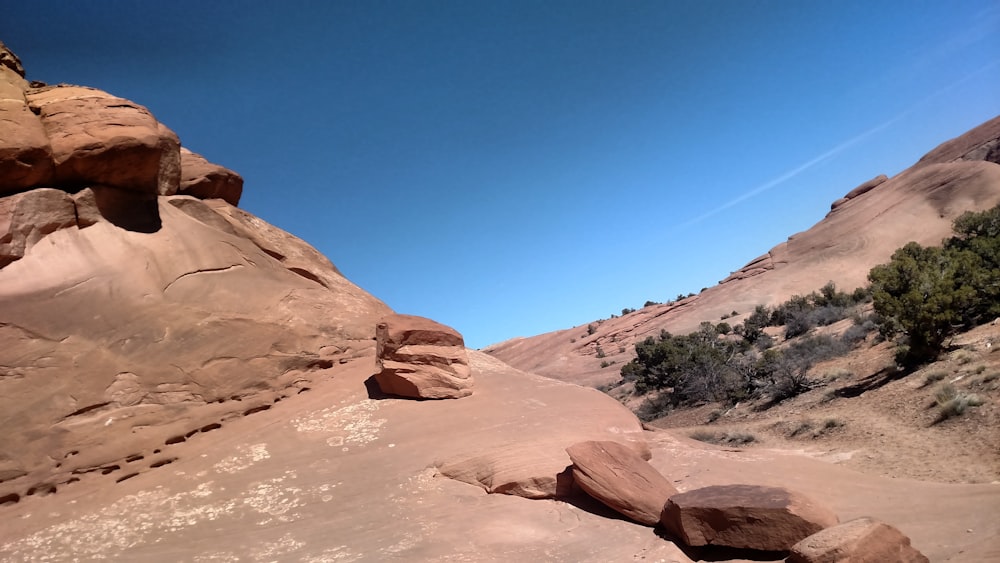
(97, 138)
(25, 154)
(860, 190)
(981, 143)
(9, 60)
(204, 180)
(862, 540)
(129, 315)
(745, 517)
(421, 359)
(28, 217)
(621, 479)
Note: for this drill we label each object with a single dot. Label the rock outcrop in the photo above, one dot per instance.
(421, 359)
(861, 540)
(621, 479)
(98, 138)
(860, 190)
(744, 517)
(204, 180)
(25, 154)
(131, 318)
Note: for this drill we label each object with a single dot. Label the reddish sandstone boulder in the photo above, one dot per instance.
(621, 479)
(421, 359)
(25, 156)
(97, 138)
(745, 517)
(26, 218)
(204, 180)
(862, 540)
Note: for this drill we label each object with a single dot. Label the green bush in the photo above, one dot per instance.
(928, 294)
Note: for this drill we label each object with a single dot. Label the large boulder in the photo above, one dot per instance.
(28, 217)
(862, 540)
(98, 138)
(621, 479)
(204, 180)
(421, 359)
(744, 517)
(25, 155)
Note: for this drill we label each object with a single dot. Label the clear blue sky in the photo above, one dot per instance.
(510, 168)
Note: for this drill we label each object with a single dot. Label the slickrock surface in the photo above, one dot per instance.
(861, 540)
(745, 517)
(621, 479)
(421, 359)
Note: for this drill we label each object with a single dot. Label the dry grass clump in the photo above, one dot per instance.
(951, 402)
(723, 438)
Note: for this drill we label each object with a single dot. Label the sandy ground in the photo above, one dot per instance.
(890, 430)
(333, 475)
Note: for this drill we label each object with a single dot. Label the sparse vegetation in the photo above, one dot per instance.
(723, 438)
(707, 365)
(951, 402)
(933, 377)
(928, 294)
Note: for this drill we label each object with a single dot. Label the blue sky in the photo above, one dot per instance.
(510, 168)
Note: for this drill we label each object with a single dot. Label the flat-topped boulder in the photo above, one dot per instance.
(421, 359)
(621, 479)
(857, 541)
(745, 517)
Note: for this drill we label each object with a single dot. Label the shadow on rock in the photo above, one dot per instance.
(720, 553)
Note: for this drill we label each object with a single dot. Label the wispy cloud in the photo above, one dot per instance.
(837, 149)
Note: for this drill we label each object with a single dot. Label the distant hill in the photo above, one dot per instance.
(861, 230)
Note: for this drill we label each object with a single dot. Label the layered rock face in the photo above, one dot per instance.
(421, 359)
(130, 315)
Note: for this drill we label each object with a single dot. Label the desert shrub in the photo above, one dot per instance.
(653, 408)
(801, 428)
(738, 438)
(591, 329)
(728, 438)
(928, 294)
(723, 328)
(704, 436)
(831, 423)
(952, 402)
(627, 310)
(600, 352)
(933, 377)
(855, 334)
(605, 363)
(962, 357)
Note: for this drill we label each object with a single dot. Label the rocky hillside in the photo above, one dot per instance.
(138, 302)
(861, 230)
